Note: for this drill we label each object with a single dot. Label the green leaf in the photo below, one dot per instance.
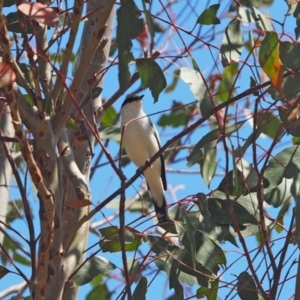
(27, 74)
(246, 287)
(152, 76)
(28, 99)
(288, 54)
(109, 117)
(270, 61)
(263, 22)
(134, 267)
(208, 162)
(296, 140)
(149, 21)
(186, 236)
(198, 245)
(202, 204)
(273, 128)
(144, 204)
(124, 74)
(209, 16)
(214, 135)
(97, 280)
(70, 123)
(207, 252)
(280, 217)
(189, 240)
(241, 150)
(141, 289)
(249, 174)
(241, 180)
(178, 116)
(194, 63)
(174, 282)
(158, 27)
(232, 44)
(111, 133)
(225, 90)
(255, 15)
(158, 245)
(165, 253)
(195, 81)
(14, 25)
(58, 57)
(297, 16)
(292, 6)
(129, 26)
(99, 292)
(234, 183)
(286, 164)
(94, 266)
(220, 212)
(210, 292)
(111, 241)
(295, 191)
(279, 194)
(207, 105)
(245, 15)
(9, 245)
(14, 210)
(21, 259)
(170, 88)
(3, 271)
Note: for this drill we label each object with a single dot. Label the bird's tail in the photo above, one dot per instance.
(161, 211)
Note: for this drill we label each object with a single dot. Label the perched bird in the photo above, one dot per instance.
(141, 142)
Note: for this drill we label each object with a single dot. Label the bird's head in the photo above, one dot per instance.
(133, 101)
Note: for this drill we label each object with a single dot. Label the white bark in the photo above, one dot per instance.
(7, 130)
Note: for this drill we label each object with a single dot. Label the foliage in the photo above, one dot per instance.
(225, 81)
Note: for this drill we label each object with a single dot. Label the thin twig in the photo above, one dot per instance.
(27, 210)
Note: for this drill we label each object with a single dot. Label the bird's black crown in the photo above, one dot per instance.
(132, 98)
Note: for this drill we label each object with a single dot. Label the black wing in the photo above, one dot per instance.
(162, 162)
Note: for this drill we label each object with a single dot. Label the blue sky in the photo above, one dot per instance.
(185, 185)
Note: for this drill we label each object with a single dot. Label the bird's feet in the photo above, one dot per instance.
(147, 163)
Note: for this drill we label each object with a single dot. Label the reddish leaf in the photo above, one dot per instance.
(7, 75)
(270, 61)
(79, 203)
(40, 13)
(143, 36)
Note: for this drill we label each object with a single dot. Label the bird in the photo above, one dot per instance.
(141, 142)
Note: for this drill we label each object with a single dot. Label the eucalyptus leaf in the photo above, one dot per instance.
(141, 289)
(129, 26)
(209, 16)
(111, 133)
(285, 164)
(212, 136)
(94, 266)
(152, 76)
(232, 44)
(246, 287)
(195, 81)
